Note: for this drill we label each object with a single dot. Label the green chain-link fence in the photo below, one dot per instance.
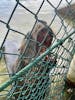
(39, 72)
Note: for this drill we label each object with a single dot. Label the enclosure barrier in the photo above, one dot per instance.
(41, 78)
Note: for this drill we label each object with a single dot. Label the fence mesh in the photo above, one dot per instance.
(44, 56)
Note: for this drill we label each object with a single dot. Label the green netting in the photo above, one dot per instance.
(35, 75)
